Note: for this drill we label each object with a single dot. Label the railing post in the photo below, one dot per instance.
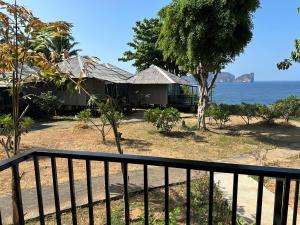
(278, 202)
(18, 195)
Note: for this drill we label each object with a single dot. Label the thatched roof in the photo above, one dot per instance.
(96, 69)
(156, 75)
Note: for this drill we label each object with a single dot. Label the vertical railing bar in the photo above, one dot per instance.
(211, 198)
(278, 198)
(17, 187)
(56, 191)
(126, 196)
(72, 191)
(188, 196)
(90, 191)
(107, 193)
(1, 219)
(146, 205)
(259, 200)
(285, 205)
(296, 199)
(166, 195)
(234, 199)
(39, 189)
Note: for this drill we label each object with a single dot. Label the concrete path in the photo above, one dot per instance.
(136, 182)
(247, 195)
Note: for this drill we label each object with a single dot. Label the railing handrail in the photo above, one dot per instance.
(7, 163)
(157, 161)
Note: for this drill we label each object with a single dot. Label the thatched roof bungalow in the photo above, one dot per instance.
(155, 86)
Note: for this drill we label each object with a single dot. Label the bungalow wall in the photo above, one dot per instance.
(141, 94)
(69, 99)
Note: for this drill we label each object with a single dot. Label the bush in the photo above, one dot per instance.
(288, 107)
(219, 113)
(84, 116)
(267, 113)
(44, 105)
(163, 120)
(247, 111)
(7, 131)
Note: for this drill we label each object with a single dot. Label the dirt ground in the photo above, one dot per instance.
(141, 138)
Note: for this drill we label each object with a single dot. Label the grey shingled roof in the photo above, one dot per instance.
(97, 70)
(156, 75)
(28, 72)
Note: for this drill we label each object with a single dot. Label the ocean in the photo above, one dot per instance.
(263, 92)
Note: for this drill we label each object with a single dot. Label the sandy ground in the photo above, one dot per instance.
(141, 138)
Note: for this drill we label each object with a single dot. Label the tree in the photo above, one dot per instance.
(145, 50)
(247, 111)
(203, 36)
(63, 46)
(288, 107)
(267, 113)
(220, 114)
(294, 56)
(108, 109)
(162, 119)
(22, 36)
(7, 131)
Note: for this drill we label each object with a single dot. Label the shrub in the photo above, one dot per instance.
(84, 116)
(247, 111)
(288, 107)
(219, 113)
(7, 131)
(163, 120)
(44, 105)
(267, 113)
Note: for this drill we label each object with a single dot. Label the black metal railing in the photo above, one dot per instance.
(182, 100)
(283, 176)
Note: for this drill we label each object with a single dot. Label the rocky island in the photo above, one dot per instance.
(225, 77)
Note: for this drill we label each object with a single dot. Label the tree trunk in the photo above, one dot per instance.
(202, 107)
(117, 136)
(103, 133)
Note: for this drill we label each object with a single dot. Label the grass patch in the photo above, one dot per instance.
(177, 200)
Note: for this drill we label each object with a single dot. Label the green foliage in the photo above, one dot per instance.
(108, 111)
(294, 57)
(117, 216)
(200, 204)
(163, 120)
(203, 36)
(288, 108)
(7, 131)
(84, 116)
(7, 125)
(44, 105)
(219, 113)
(145, 50)
(63, 46)
(211, 33)
(267, 113)
(247, 111)
(187, 91)
(152, 115)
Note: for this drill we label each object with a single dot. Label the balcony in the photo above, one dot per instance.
(281, 208)
(183, 101)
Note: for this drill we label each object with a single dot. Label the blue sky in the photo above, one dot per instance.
(103, 27)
